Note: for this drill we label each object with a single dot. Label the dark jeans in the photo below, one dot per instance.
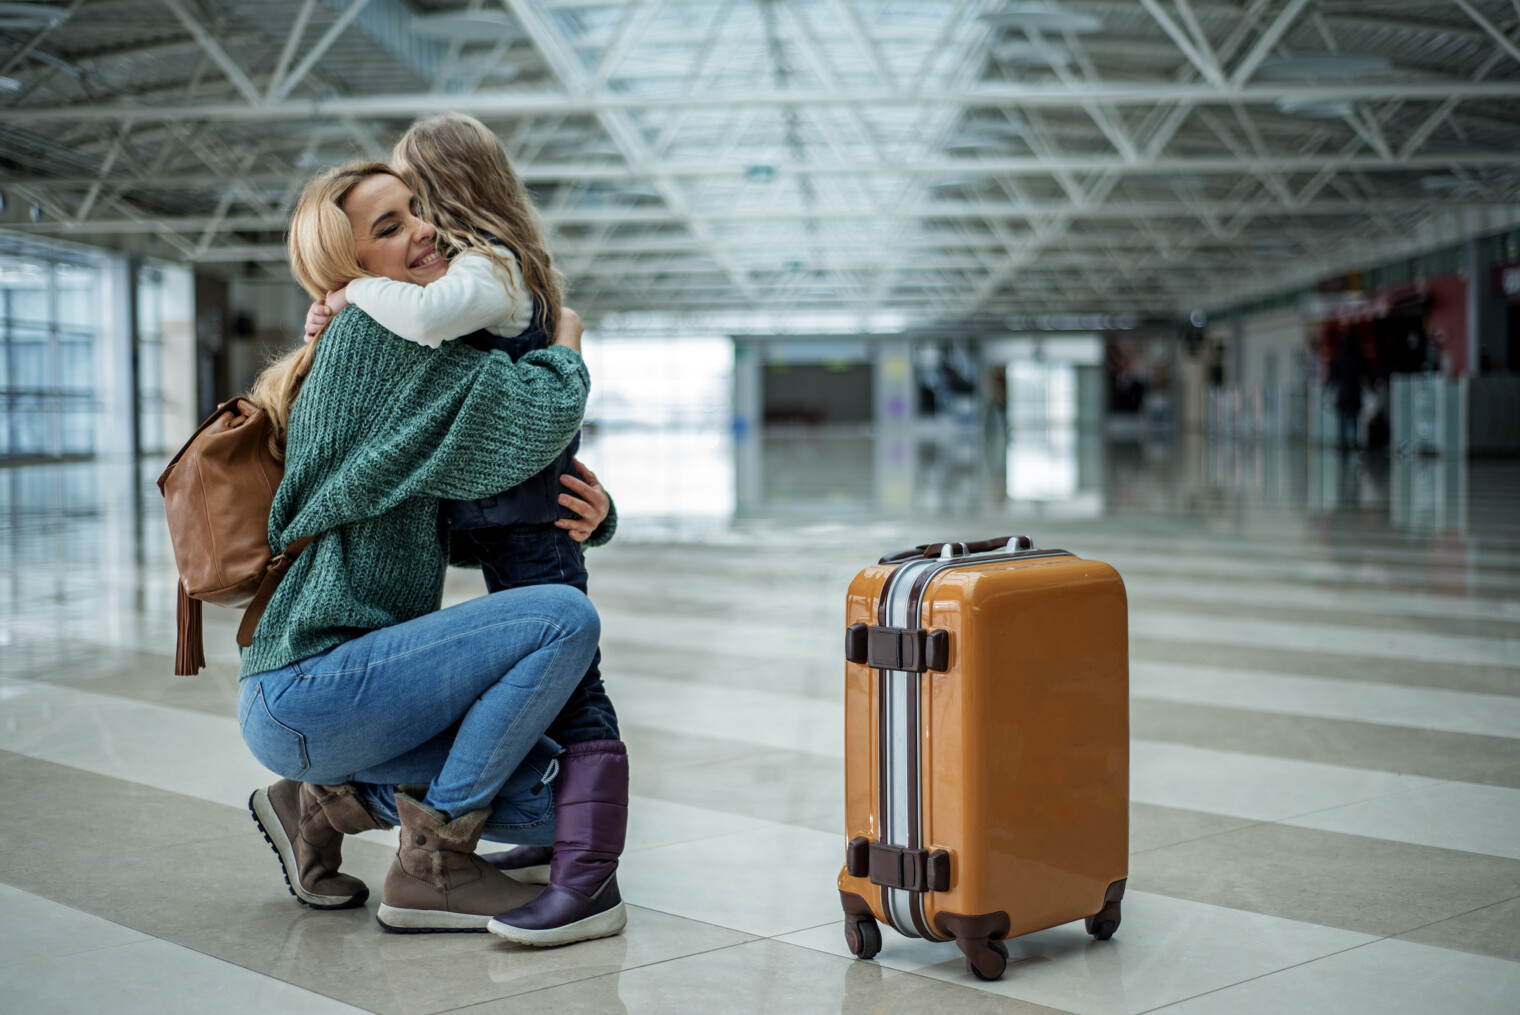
(1349, 424)
(512, 556)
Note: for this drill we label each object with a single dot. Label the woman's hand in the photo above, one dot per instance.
(322, 311)
(569, 330)
(591, 501)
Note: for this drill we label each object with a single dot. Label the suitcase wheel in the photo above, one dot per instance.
(863, 936)
(988, 963)
(1103, 925)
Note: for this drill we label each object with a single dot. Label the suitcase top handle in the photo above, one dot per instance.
(944, 551)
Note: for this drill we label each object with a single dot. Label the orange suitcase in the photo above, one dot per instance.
(986, 747)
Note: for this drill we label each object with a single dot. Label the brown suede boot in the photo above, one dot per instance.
(305, 824)
(437, 882)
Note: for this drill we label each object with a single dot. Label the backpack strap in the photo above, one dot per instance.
(272, 575)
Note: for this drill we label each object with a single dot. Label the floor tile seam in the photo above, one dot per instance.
(1206, 835)
(1370, 619)
(1479, 583)
(1269, 542)
(1287, 819)
(1431, 781)
(644, 904)
(154, 939)
(146, 938)
(1500, 775)
(832, 759)
(1202, 900)
(1454, 916)
(7, 868)
(1468, 679)
(115, 697)
(1261, 976)
(1488, 611)
(1281, 570)
(1259, 634)
(1342, 551)
(1323, 715)
(258, 973)
(766, 825)
(597, 976)
(1424, 594)
(1254, 671)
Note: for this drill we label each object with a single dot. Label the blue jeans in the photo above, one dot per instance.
(457, 700)
(512, 556)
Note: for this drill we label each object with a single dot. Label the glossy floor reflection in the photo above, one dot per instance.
(1325, 721)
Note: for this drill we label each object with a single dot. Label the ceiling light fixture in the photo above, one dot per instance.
(1044, 16)
(466, 26)
(1023, 53)
(1316, 109)
(985, 142)
(1447, 183)
(1169, 181)
(1323, 67)
(32, 15)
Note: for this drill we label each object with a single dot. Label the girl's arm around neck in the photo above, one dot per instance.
(470, 296)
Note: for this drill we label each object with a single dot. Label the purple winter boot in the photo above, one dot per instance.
(591, 821)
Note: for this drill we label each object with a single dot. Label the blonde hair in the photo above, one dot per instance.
(322, 258)
(466, 186)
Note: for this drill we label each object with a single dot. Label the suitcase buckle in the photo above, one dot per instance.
(912, 870)
(906, 649)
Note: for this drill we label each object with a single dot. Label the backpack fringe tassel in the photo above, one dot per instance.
(189, 652)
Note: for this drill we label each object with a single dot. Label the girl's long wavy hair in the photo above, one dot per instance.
(322, 258)
(467, 187)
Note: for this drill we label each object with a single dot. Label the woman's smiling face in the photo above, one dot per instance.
(389, 238)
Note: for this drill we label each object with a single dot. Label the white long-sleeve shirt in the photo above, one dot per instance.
(469, 296)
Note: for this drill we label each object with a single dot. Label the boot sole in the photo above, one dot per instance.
(604, 924)
(265, 817)
(429, 921)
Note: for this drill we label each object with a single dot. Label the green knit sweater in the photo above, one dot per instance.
(382, 430)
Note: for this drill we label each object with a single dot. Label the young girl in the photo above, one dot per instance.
(501, 291)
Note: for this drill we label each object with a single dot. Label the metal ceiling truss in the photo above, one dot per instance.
(940, 158)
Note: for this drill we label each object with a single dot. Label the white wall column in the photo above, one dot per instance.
(181, 415)
(115, 329)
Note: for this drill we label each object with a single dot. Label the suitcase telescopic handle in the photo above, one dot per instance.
(929, 551)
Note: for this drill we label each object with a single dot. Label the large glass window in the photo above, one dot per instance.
(47, 358)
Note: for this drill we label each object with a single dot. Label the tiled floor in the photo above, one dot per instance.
(1326, 746)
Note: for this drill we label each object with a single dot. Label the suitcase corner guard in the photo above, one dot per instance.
(913, 870)
(906, 649)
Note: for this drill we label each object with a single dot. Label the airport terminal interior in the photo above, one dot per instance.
(1223, 293)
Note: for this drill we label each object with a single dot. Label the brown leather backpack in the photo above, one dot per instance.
(217, 494)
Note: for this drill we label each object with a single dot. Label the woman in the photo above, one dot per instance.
(387, 709)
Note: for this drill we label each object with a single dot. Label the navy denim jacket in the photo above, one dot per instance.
(534, 501)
